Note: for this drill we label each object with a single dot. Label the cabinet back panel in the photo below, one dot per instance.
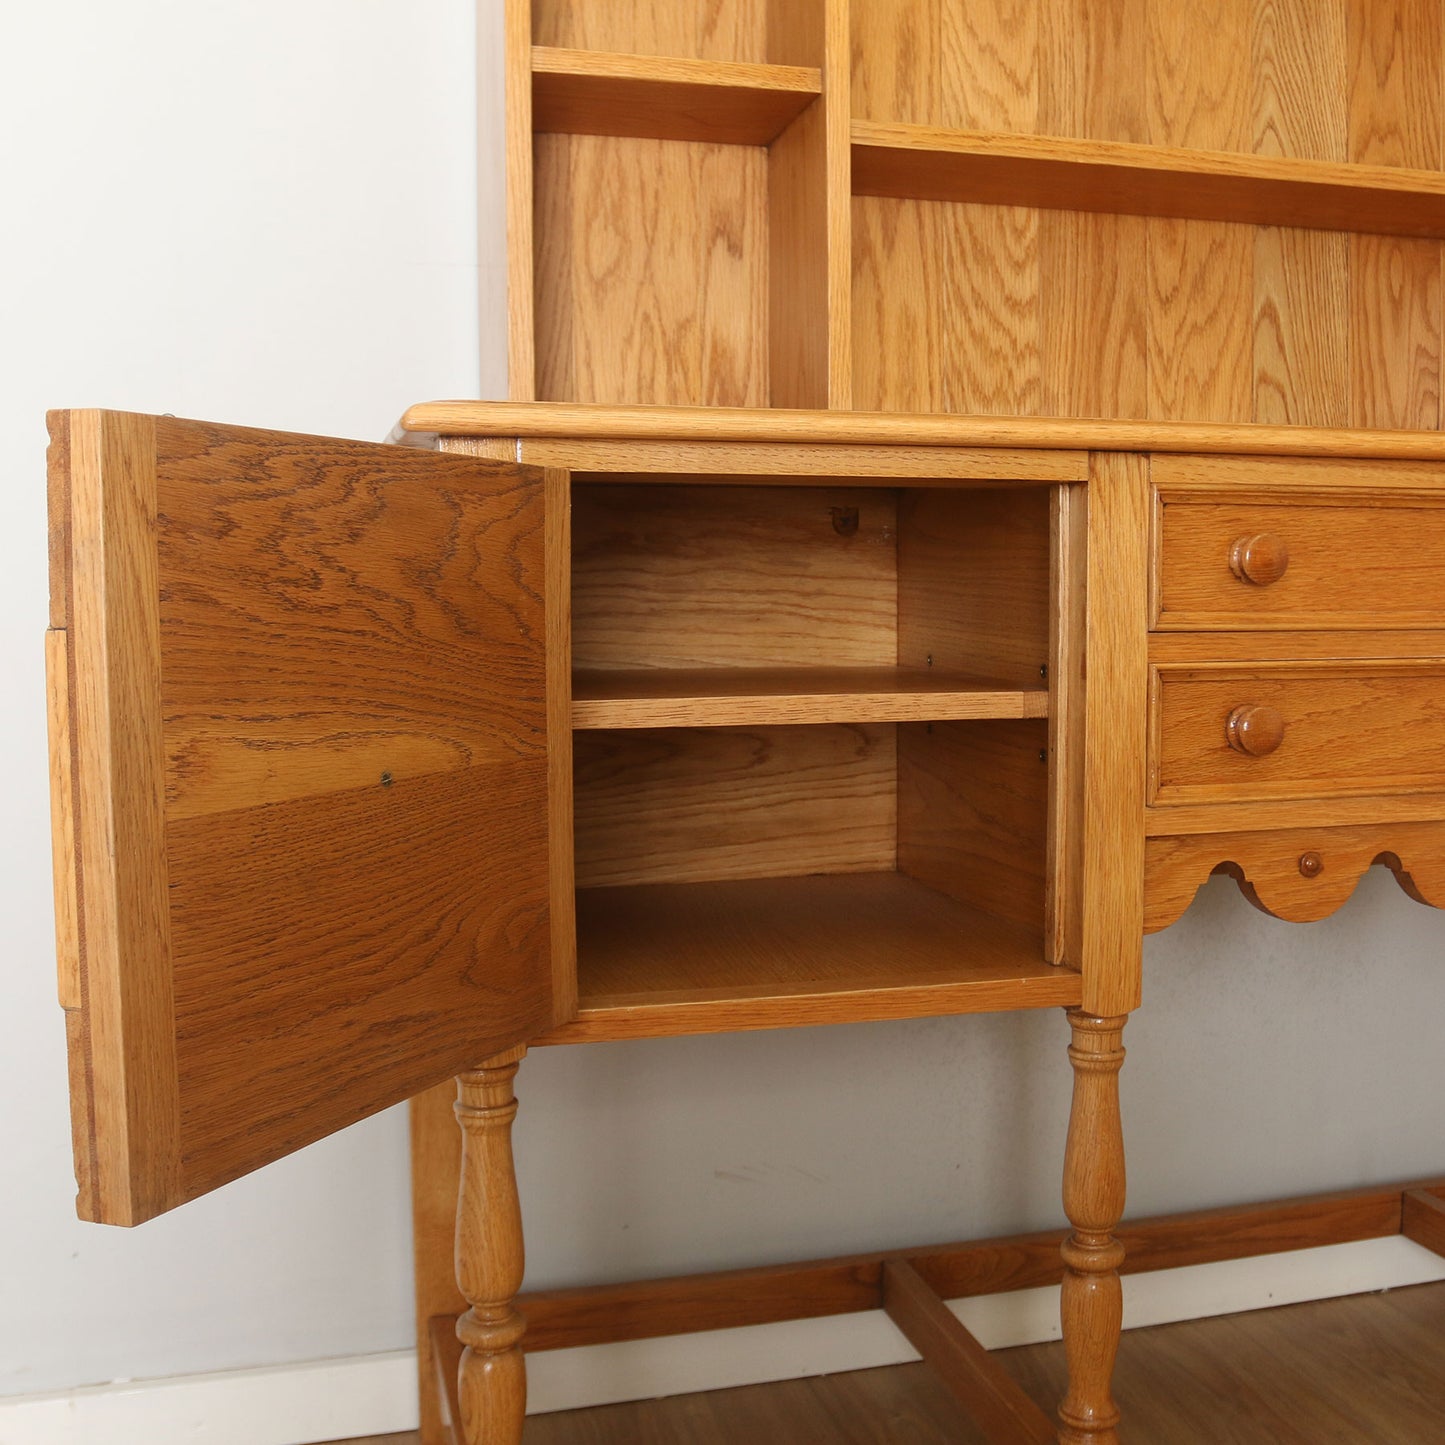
(651, 271)
(1358, 81)
(1011, 311)
(688, 805)
(716, 30)
(698, 576)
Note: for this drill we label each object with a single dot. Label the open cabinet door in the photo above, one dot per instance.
(300, 759)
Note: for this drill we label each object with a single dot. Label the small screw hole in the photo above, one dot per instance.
(386, 780)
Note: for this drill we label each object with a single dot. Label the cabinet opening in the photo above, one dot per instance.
(810, 753)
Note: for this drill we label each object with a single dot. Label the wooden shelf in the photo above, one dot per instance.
(742, 697)
(924, 163)
(585, 92)
(683, 958)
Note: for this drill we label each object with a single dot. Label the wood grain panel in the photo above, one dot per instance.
(345, 674)
(973, 582)
(1299, 103)
(989, 65)
(651, 271)
(687, 576)
(1200, 321)
(1394, 332)
(1349, 728)
(717, 30)
(1396, 58)
(1199, 80)
(1094, 315)
(970, 66)
(895, 59)
(688, 805)
(1085, 50)
(900, 288)
(1301, 353)
(989, 262)
(972, 811)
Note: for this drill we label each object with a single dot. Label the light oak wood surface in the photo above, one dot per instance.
(580, 92)
(778, 952)
(733, 697)
(759, 577)
(689, 805)
(725, 425)
(915, 162)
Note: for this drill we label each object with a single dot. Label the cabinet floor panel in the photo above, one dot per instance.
(739, 697)
(666, 959)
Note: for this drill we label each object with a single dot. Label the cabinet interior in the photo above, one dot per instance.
(809, 740)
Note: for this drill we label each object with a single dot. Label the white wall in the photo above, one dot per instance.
(264, 213)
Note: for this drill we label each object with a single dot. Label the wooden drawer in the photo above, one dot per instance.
(1317, 730)
(1318, 559)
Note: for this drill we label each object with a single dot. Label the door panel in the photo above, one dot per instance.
(307, 698)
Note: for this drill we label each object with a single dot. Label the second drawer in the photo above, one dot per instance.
(1224, 732)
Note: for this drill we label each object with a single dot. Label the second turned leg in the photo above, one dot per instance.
(1092, 1298)
(489, 1259)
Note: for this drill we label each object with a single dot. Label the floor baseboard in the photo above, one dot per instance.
(376, 1394)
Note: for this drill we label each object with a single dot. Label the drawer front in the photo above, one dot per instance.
(1230, 733)
(1230, 559)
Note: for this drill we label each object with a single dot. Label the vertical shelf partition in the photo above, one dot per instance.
(678, 193)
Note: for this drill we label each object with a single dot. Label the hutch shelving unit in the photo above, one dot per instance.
(970, 472)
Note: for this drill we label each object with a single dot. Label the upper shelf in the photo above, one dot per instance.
(588, 92)
(733, 697)
(921, 162)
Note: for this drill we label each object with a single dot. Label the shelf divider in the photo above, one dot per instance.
(917, 162)
(587, 92)
(742, 697)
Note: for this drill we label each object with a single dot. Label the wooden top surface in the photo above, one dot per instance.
(746, 424)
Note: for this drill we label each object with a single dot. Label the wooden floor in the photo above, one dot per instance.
(1368, 1370)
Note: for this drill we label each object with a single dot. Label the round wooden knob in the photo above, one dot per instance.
(1311, 865)
(1254, 729)
(1261, 559)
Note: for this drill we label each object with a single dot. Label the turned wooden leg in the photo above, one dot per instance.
(493, 1381)
(1092, 1300)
